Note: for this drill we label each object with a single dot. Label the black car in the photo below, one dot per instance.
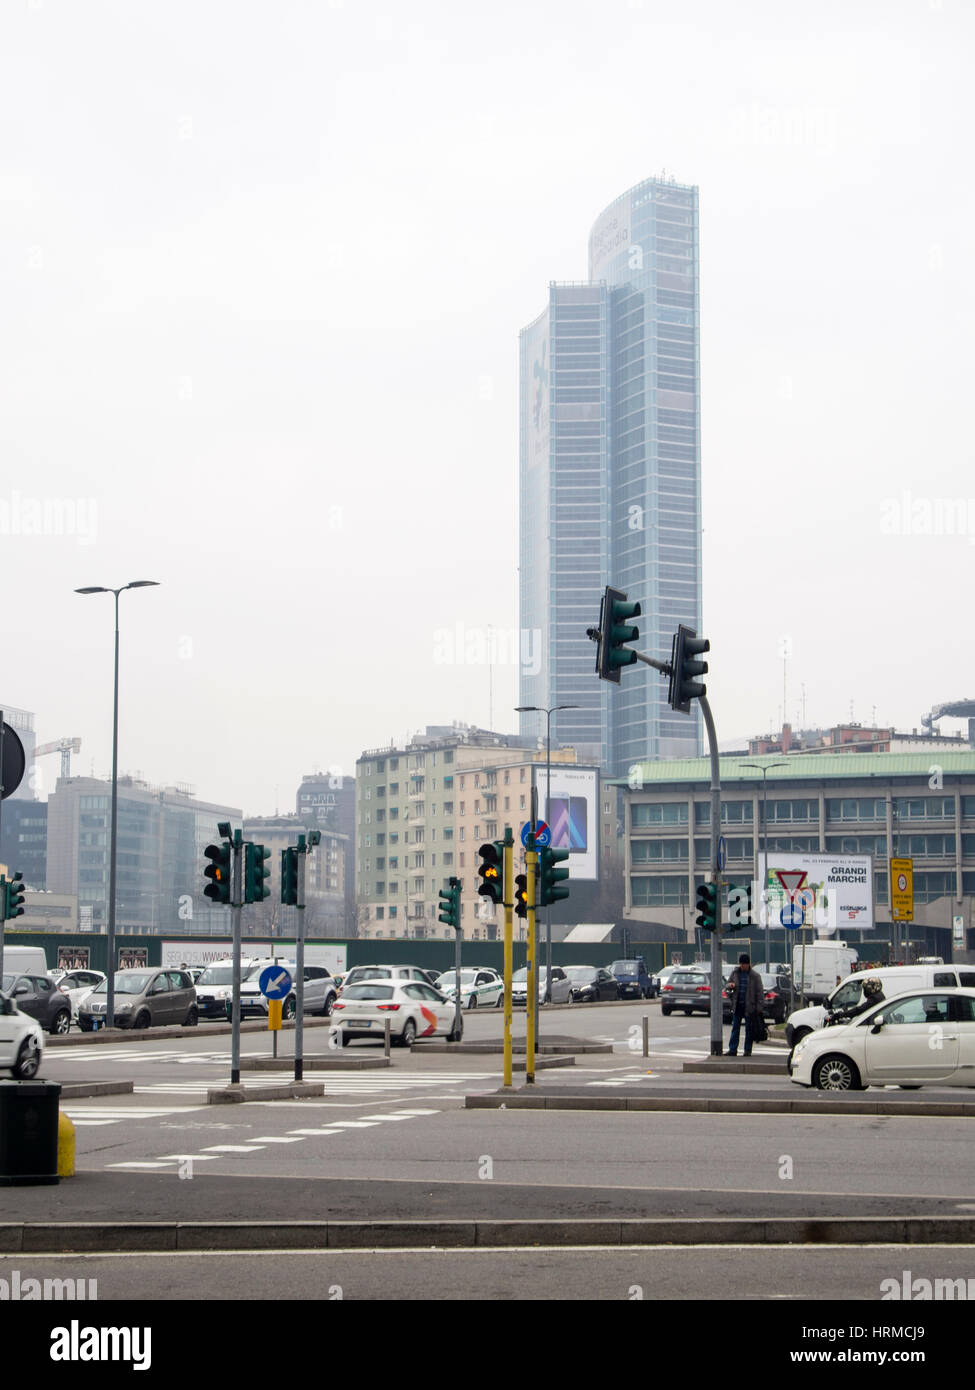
(633, 978)
(589, 984)
(39, 996)
(778, 996)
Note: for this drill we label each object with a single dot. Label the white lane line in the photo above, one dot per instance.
(89, 1124)
(354, 1124)
(387, 1117)
(229, 1149)
(273, 1139)
(322, 1129)
(416, 1112)
(197, 1158)
(156, 1164)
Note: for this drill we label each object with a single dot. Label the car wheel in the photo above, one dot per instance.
(500, 1003)
(665, 1011)
(408, 1035)
(836, 1073)
(62, 1022)
(472, 1002)
(909, 1088)
(456, 1034)
(141, 1020)
(327, 1010)
(689, 1012)
(192, 1018)
(28, 1059)
(290, 1007)
(84, 1026)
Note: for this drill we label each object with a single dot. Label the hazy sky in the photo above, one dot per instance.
(262, 272)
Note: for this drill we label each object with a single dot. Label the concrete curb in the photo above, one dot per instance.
(236, 1095)
(491, 1048)
(720, 1066)
(316, 1061)
(759, 1105)
(102, 1038)
(77, 1090)
(119, 1236)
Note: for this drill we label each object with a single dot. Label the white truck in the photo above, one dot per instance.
(826, 962)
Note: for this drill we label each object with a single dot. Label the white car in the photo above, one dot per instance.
(414, 1009)
(479, 989)
(922, 1038)
(21, 1041)
(77, 985)
(561, 986)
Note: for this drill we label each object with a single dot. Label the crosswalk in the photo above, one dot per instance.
(94, 1116)
(345, 1083)
(118, 1053)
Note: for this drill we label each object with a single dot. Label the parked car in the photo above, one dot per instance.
(778, 996)
(479, 988)
(39, 997)
(77, 985)
(690, 989)
(143, 998)
(589, 983)
(560, 986)
(414, 1009)
(359, 974)
(21, 1041)
(661, 976)
(216, 986)
(894, 979)
(635, 981)
(320, 991)
(890, 1044)
(252, 1001)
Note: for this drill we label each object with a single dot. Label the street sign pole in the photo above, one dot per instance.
(458, 934)
(236, 907)
(531, 860)
(717, 979)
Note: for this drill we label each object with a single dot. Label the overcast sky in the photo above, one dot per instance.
(262, 272)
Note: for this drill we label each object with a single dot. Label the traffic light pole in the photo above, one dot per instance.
(508, 884)
(531, 999)
(300, 965)
(717, 980)
(236, 909)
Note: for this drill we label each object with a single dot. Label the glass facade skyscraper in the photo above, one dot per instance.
(610, 476)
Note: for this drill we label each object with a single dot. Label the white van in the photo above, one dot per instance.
(894, 979)
(24, 960)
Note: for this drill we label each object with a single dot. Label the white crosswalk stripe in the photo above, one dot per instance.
(113, 1114)
(351, 1083)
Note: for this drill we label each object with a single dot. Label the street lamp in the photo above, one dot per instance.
(540, 709)
(110, 987)
(764, 769)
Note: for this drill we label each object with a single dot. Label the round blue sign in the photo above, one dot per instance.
(275, 982)
(791, 916)
(543, 835)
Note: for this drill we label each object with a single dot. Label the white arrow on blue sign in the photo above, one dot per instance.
(791, 916)
(275, 983)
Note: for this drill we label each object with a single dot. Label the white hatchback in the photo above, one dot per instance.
(922, 1038)
(415, 1010)
(21, 1041)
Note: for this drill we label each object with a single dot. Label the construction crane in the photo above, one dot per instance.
(64, 746)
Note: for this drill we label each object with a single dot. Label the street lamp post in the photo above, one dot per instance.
(540, 709)
(764, 769)
(110, 986)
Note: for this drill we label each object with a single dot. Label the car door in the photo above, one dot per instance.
(27, 999)
(159, 999)
(184, 994)
(963, 1008)
(916, 1040)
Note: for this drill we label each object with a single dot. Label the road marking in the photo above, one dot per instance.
(273, 1139)
(353, 1124)
(158, 1163)
(197, 1158)
(320, 1130)
(230, 1149)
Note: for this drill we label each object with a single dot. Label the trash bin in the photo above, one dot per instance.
(29, 1133)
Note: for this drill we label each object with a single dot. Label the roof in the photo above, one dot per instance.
(801, 767)
(590, 931)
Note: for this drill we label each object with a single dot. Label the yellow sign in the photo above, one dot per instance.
(274, 1015)
(902, 890)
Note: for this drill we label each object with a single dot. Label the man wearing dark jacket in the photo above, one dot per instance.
(746, 993)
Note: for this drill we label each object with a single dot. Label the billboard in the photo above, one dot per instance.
(572, 816)
(825, 891)
(174, 953)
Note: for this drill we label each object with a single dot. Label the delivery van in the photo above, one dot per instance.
(894, 979)
(818, 965)
(24, 960)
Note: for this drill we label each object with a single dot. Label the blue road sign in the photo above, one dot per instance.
(543, 836)
(275, 982)
(791, 916)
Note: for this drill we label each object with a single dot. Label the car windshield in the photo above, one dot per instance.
(688, 977)
(448, 978)
(8, 983)
(217, 975)
(624, 967)
(368, 992)
(127, 982)
(370, 972)
(580, 972)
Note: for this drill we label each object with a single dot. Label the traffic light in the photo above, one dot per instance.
(685, 648)
(521, 895)
(707, 906)
(219, 871)
(450, 905)
(614, 630)
(289, 876)
(491, 871)
(552, 887)
(255, 872)
(739, 906)
(13, 897)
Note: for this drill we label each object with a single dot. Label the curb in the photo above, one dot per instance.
(108, 1237)
(315, 1061)
(490, 1048)
(77, 1090)
(236, 1095)
(135, 1035)
(519, 1100)
(721, 1066)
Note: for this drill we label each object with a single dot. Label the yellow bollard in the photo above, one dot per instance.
(65, 1146)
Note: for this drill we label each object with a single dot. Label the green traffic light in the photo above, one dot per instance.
(551, 880)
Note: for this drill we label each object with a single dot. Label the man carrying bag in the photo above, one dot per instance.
(746, 994)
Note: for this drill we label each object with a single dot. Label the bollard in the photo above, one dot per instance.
(66, 1142)
(646, 1035)
(386, 1031)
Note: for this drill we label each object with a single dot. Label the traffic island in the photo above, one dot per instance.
(236, 1094)
(559, 1045)
(317, 1061)
(752, 1066)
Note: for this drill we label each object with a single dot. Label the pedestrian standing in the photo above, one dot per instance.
(746, 993)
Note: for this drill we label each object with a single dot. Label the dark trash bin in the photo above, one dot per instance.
(29, 1133)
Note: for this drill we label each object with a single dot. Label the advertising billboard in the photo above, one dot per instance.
(329, 954)
(572, 816)
(825, 891)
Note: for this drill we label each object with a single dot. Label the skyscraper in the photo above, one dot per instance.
(611, 475)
